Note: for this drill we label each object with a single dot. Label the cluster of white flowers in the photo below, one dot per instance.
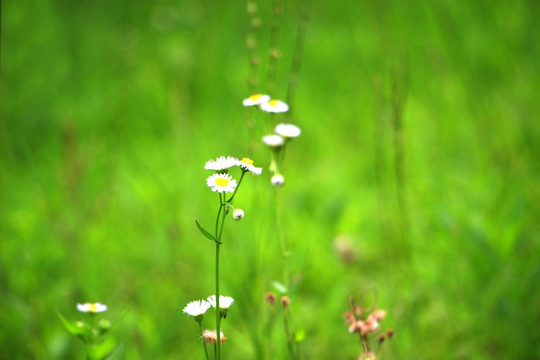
(265, 104)
(283, 132)
(199, 307)
(223, 182)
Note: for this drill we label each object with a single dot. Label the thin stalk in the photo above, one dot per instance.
(204, 343)
(219, 231)
(218, 315)
(290, 345)
(274, 53)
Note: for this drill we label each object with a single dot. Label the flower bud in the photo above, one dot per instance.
(285, 301)
(238, 214)
(278, 180)
(104, 326)
(271, 298)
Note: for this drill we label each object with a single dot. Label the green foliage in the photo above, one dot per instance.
(416, 174)
(206, 233)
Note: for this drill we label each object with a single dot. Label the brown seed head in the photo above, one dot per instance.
(285, 301)
(349, 318)
(381, 338)
(390, 333)
(369, 326)
(377, 315)
(356, 326)
(270, 298)
(210, 337)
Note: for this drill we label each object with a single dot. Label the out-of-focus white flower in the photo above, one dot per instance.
(221, 163)
(278, 180)
(92, 307)
(273, 140)
(247, 164)
(256, 99)
(224, 301)
(287, 130)
(221, 183)
(274, 106)
(197, 307)
(238, 214)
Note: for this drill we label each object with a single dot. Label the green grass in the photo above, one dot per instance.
(109, 111)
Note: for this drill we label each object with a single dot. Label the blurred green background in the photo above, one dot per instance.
(416, 174)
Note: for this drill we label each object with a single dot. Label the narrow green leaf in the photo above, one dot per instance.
(118, 353)
(206, 233)
(101, 350)
(75, 328)
(122, 315)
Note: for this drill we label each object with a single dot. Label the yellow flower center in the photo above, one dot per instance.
(247, 161)
(255, 97)
(272, 103)
(93, 308)
(222, 182)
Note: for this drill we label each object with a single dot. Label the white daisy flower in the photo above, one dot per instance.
(224, 301)
(278, 180)
(247, 164)
(221, 183)
(287, 130)
(238, 214)
(197, 308)
(274, 106)
(92, 307)
(273, 140)
(256, 99)
(221, 163)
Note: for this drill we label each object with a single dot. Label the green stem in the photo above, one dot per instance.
(204, 342)
(237, 186)
(218, 317)
(290, 344)
(219, 232)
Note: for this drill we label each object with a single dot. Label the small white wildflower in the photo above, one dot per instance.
(247, 164)
(224, 301)
(197, 308)
(273, 140)
(221, 163)
(221, 183)
(287, 130)
(278, 180)
(256, 99)
(92, 307)
(274, 106)
(238, 214)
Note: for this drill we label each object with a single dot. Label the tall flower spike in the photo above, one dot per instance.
(221, 183)
(256, 99)
(247, 164)
(221, 163)
(274, 106)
